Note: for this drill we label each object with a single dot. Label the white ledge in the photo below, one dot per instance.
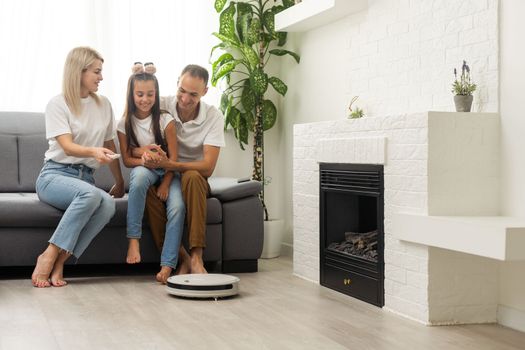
(496, 237)
(310, 14)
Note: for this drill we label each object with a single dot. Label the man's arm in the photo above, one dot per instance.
(205, 167)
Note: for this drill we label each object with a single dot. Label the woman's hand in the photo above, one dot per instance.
(117, 190)
(101, 155)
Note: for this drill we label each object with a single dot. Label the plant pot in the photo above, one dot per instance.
(463, 102)
(273, 238)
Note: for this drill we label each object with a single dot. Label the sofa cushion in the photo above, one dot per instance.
(23, 142)
(26, 210)
(227, 188)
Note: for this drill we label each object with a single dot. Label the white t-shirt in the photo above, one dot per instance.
(206, 129)
(143, 129)
(91, 128)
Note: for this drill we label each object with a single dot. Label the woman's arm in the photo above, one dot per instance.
(72, 149)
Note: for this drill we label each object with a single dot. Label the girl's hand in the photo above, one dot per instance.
(163, 192)
(117, 190)
(101, 155)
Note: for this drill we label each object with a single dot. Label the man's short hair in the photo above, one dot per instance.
(196, 71)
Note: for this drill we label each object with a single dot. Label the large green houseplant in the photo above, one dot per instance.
(248, 41)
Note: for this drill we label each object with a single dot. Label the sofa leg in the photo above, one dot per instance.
(239, 266)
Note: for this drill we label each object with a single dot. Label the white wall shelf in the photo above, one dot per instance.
(496, 237)
(310, 14)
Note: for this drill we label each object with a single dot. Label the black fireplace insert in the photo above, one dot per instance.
(351, 230)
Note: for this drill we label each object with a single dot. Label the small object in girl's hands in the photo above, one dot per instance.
(114, 156)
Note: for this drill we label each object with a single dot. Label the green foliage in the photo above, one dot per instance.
(463, 86)
(248, 41)
(357, 113)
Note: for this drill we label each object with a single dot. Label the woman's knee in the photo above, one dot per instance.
(108, 205)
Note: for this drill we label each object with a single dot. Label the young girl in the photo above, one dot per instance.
(143, 131)
(79, 127)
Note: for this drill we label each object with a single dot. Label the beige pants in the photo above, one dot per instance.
(195, 190)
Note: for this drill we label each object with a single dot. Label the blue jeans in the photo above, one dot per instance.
(141, 178)
(88, 209)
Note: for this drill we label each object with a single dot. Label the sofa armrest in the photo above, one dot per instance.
(227, 189)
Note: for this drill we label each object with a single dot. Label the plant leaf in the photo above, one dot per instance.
(247, 97)
(253, 32)
(223, 70)
(244, 18)
(259, 81)
(226, 57)
(268, 20)
(242, 129)
(288, 3)
(269, 113)
(227, 23)
(227, 41)
(251, 56)
(281, 52)
(219, 5)
(281, 37)
(248, 116)
(278, 85)
(223, 107)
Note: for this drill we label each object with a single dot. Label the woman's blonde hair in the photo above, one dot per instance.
(77, 61)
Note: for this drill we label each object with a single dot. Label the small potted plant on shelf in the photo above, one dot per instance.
(463, 89)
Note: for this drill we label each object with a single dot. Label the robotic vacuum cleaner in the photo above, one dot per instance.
(203, 285)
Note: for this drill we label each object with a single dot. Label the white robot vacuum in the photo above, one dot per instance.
(203, 285)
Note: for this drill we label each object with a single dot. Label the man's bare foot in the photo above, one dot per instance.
(44, 265)
(164, 274)
(197, 265)
(133, 251)
(184, 266)
(57, 274)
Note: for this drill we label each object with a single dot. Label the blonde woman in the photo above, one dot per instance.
(80, 131)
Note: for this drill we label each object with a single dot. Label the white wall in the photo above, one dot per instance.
(398, 56)
(512, 73)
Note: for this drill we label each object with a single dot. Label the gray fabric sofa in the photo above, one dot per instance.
(234, 220)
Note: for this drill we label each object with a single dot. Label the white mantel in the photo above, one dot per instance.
(435, 164)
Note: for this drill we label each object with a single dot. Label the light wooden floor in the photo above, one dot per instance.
(274, 310)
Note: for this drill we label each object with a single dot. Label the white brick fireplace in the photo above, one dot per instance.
(443, 235)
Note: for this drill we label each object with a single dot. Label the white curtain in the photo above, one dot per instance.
(36, 35)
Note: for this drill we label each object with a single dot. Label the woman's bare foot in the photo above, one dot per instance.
(57, 274)
(164, 274)
(44, 265)
(133, 251)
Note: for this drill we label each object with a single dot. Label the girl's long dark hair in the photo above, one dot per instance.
(130, 110)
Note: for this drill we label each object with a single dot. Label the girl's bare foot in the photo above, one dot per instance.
(133, 251)
(57, 274)
(44, 265)
(164, 274)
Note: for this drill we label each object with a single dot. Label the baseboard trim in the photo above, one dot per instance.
(512, 318)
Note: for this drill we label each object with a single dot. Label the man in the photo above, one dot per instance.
(200, 135)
